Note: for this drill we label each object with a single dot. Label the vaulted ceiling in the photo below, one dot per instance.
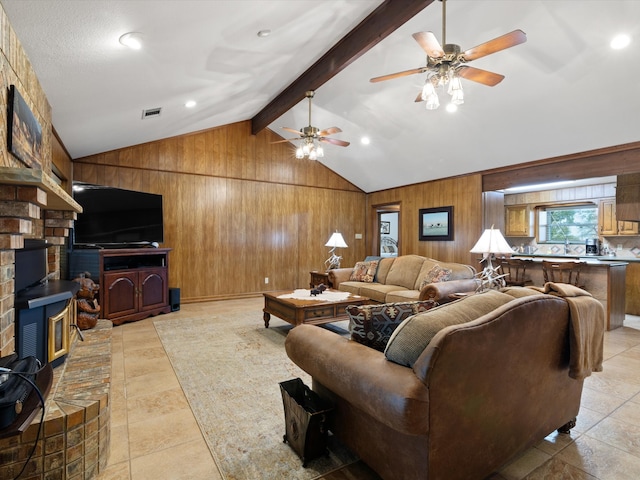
(565, 90)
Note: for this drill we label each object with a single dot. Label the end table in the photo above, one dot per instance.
(319, 277)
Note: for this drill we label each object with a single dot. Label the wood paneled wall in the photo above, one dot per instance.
(237, 209)
(463, 193)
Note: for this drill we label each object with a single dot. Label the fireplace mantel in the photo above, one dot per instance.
(57, 198)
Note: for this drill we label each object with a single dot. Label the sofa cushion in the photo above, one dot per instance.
(411, 337)
(372, 325)
(364, 271)
(434, 275)
(518, 292)
(383, 269)
(352, 287)
(377, 291)
(402, 296)
(404, 271)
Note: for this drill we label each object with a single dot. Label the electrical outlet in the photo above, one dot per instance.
(619, 247)
(358, 236)
(266, 280)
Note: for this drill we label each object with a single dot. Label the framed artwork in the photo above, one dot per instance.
(436, 224)
(25, 133)
(385, 227)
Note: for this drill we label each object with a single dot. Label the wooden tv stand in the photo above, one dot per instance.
(133, 283)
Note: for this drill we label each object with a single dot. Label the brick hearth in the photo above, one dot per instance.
(74, 444)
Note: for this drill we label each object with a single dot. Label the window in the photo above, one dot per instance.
(568, 223)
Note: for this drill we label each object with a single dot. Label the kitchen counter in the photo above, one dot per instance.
(602, 277)
(586, 258)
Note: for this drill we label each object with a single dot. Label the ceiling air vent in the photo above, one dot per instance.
(151, 112)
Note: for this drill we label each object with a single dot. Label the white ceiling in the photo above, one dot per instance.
(565, 90)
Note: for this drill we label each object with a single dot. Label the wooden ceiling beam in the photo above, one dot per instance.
(384, 20)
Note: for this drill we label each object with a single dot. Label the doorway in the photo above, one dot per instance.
(387, 230)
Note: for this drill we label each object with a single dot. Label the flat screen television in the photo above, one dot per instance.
(116, 217)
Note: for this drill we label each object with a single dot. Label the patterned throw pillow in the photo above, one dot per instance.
(435, 275)
(364, 271)
(372, 325)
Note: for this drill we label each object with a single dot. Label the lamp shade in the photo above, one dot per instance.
(492, 241)
(336, 240)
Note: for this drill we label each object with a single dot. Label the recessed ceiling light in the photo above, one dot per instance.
(131, 40)
(190, 103)
(264, 33)
(365, 140)
(620, 41)
(452, 107)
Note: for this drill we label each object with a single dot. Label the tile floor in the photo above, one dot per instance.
(155, 436)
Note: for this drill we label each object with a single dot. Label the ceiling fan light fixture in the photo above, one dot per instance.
(455, 90)
(433, 102)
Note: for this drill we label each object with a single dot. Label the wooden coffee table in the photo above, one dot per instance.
(315, 311)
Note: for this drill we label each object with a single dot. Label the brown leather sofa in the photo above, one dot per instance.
(400, 279)
(484, 388)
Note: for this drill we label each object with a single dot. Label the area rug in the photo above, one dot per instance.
(230, 367)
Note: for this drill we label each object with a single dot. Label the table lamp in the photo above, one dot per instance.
(490, 243)
(336, 241)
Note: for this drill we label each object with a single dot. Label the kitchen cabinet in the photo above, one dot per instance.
(518, 221)
(628, 197)
(608, 222)
(628, 228)
(607, 217)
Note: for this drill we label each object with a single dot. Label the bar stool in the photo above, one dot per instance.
(562, 272)
(516, 270)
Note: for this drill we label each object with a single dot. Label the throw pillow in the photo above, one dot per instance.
(435, 275)
(364, 271)
(411, 338)
(372, 325)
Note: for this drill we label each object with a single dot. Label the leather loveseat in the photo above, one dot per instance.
(404, 278)
(462, 388)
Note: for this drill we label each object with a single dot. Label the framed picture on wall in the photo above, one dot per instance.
(385, 227)
(436, 224)
(24, 132)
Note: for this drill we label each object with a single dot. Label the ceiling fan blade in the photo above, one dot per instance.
(419, 98)
(429, 44)
(328, 131)
(283, 141)
(292, 130)
(398, 74)
(334, 141)
(478, 75)
(492, 46)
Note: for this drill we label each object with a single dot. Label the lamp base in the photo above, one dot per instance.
(333, 262)
(490, 278)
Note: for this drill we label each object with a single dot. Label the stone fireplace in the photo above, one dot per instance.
(35, 205)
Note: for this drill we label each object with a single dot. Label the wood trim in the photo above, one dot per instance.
(384, 20)
(616, 160)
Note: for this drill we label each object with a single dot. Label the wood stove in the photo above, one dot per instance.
(44, 319)
(45, 309)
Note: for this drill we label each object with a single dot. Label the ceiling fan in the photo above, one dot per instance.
(446, 65)
(312, 136)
